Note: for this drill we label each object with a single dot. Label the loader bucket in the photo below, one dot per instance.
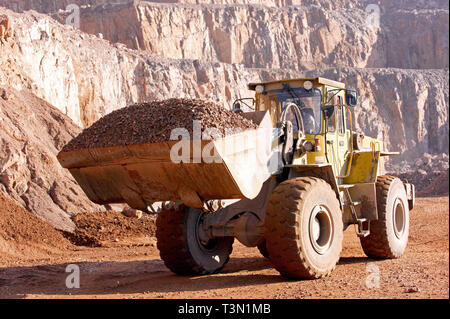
(233, 167)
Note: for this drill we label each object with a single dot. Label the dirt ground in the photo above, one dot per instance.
(131, 268)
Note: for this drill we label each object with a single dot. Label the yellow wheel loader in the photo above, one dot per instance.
(290, 187)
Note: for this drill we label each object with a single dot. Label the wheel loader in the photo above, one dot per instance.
(290, 187)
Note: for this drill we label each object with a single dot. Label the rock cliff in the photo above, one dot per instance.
(31, 134)
(87, 77)
(292, 37)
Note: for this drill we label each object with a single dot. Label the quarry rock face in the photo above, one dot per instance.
(61, 65)
(407, 109)
(429, 174)
(255, 36)
(137, 51)
(48, 6)
(286, 37)
(31, 133)
(51, 6)
(86, 77)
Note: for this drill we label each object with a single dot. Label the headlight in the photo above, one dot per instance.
(259, 89)
(308, 85)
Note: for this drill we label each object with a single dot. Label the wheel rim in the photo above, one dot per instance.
(321, 229)
(204, 244)
(398, 218)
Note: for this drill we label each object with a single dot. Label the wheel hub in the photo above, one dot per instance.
(398, 218)
(204, 240)
(321, 229)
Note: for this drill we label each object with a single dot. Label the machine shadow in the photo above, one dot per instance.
(132, 277)
(146, 276)
(354, 260)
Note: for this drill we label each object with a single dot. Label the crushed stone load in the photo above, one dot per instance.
(153, 122)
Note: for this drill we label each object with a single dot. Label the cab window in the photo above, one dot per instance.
(309, 104)
(340, 120)
(332, 123)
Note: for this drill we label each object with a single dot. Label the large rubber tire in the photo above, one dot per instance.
(303, 228)
(180, 247)
(263, 249)
(389, 234)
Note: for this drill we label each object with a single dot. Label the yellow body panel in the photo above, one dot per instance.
(364, 168)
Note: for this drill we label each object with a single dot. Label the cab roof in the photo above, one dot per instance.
(316, 81)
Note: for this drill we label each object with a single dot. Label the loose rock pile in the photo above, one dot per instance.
(31, 134)
(153, 123)
(19, 226)
(94, 229)
(429, 174)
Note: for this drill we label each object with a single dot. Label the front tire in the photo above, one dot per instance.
(303, 228)
(263, 249)
(182, 250)
(388, 236)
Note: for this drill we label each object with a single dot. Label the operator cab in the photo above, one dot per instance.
(310, 95)
(320, 117)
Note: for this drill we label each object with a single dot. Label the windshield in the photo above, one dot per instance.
(309, 103)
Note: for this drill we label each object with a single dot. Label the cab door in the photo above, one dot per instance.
(344, 138)
(338, 138)
(342, 141)
(332, 141)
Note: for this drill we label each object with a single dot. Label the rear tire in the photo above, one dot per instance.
(389, 234)
(303, 228)
(180, 247)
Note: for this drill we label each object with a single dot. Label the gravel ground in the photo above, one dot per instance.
(131, 268)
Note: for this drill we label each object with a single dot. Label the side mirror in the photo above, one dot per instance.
(248, 102)
(237, 108)
(351, 97)
(328, 111)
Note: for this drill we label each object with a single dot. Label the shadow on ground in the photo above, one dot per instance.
(149, 276)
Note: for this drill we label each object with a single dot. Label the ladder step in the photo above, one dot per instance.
(345, 186)
(361, 231)
(355, 203)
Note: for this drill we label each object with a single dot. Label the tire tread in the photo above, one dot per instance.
(172, 243)
(283, 242)
(377, 244)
